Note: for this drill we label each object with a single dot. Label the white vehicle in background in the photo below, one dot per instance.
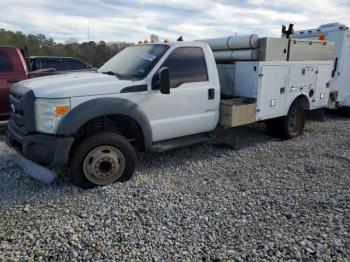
(156, 97)
(340, 84)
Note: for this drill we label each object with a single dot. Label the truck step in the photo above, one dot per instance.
(180, 142)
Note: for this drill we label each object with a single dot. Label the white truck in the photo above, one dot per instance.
(154, 97)
(340, 83)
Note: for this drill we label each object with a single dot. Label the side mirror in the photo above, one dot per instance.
(164, 80)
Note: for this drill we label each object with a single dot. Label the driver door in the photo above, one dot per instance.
(190, 108)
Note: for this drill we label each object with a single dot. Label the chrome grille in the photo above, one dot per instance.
(22, 108)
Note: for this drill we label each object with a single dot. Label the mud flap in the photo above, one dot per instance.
(317, 115)
(36, 171)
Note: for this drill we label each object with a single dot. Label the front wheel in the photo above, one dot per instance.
(102, 159)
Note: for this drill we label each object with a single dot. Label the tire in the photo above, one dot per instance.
(346, 111)
(293, 124)
(273, 126)
(102, 159)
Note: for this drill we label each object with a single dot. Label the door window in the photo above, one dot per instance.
(76, 65)
(52, 63)
(5, 62)
(186, 65)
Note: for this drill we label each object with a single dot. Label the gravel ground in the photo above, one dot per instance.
(255, 199)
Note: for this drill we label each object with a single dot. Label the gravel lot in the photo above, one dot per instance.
(259, 199)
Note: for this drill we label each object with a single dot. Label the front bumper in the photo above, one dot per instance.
(42, 149)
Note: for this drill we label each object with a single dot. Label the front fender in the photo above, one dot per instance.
(105, 106)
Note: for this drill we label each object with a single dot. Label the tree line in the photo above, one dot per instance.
(94, 53)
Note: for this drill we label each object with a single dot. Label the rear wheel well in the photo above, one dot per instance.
(121, 124)
(303, 101)
(292, 124)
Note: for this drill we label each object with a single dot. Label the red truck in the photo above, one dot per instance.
(15, 67)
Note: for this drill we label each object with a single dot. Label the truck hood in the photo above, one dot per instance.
(75, 85)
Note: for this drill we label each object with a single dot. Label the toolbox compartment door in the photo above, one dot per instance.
(272, 91)
(322, 86)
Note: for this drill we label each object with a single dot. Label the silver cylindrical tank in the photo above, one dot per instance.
(243, 42)
(233, 42)
(236, 55)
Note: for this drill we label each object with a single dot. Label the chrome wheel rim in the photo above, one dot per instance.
(104, 165)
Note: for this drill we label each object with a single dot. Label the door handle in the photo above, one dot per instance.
(211, 94)
(12, 81)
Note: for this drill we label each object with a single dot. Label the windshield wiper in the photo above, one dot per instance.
(112, 73)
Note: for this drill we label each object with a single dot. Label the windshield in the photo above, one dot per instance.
(135, 61)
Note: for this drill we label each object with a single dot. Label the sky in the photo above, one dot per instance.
(133, 20)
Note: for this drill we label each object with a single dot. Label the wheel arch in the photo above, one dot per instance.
(303, 100)
(116, 108)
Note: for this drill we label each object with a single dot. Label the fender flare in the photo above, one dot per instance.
(302, 97)
(104, 106)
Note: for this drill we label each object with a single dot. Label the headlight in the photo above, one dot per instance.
(49, 112)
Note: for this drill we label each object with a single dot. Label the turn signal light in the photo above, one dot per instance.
(61, 110)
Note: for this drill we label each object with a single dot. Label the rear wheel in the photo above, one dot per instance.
(293, 124)
(102, 159)
(273, 126)
(346, 111)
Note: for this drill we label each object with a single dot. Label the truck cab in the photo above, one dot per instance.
(144, 95)
(15, 66)
(12, 69)
(151, 97)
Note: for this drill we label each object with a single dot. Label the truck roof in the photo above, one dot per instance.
(9, 46)
(55, 57)
(180, 43)
(323, 29)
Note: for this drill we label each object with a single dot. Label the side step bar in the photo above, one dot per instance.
(180, 142)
